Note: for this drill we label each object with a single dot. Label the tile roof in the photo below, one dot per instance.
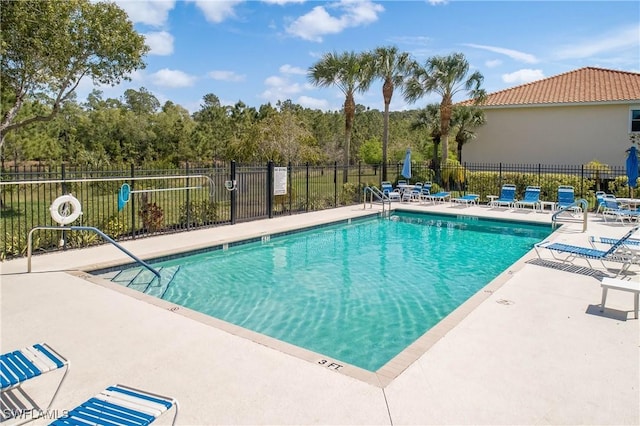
(584, 85)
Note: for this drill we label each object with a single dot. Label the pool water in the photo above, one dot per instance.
(359, 293)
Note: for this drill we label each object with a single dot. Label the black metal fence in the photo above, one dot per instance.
(175, 200)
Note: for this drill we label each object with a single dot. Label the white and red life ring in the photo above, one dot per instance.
(65, 209)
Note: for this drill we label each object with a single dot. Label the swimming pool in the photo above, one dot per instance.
(358, 292)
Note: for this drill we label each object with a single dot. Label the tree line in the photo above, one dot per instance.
(42, 120)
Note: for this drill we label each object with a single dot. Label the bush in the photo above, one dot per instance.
(201, 212)
(151, 215)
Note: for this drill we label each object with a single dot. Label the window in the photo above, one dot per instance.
(635, 120)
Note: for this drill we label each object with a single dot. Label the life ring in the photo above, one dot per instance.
(60, 209)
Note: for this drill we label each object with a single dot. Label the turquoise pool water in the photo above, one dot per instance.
(359, 293)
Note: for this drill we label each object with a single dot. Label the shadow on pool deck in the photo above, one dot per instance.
(534, 351)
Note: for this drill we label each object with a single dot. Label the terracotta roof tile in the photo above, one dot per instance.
(584, 85)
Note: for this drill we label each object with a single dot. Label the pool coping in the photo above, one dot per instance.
(382, 377)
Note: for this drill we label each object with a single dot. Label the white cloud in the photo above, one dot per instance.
(160, 43)
(621, 39)
(226, 76)
(282, 2)
(319, 22)
(313, 103)
(150, 12)
(437, 2)
(523, 76)
(493, 63)
(217, 11)
(513, 54)
(279, 89)
(289, 69)
(172, 78)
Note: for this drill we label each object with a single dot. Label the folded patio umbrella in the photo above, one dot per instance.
(406, 167)
(632, 166)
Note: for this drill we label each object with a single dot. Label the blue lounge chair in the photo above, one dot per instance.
(613, 208)
(21, 365)
(600, 197)
(392, 194)
(425, 192)
(567, 199)
(618, 252)
(466, 199)
(531, 198)
(507, 196)
(119, 405)
(438, 197)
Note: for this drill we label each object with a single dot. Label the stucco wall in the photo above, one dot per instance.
(552, 135)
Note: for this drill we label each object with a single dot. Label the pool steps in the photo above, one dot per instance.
(145, 281)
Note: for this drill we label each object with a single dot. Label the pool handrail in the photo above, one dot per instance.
(86, 228)
(373, 190)
(584, 204)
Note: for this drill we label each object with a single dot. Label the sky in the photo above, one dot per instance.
(260, 51)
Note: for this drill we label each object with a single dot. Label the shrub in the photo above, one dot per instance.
(151, 215)
(198, 212)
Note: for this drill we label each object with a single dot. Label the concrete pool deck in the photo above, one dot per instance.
(535, 350)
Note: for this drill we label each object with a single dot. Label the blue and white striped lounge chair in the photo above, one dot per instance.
(567, 199)
(531, 198)
(613, 208)
(25, 364)
(439, 197)
(392, 194)
(425, 193)
(617, 253)
(507, 196)
(629, 242)
(119, 405)
(466, 199)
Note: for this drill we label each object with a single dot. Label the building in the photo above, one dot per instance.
(572, 118)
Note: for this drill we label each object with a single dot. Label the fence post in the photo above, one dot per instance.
(188, 207)
(63, 176)
(63, 173)
(465, 184)
(306, 208)
(270, 166)
(539, 174)
(290, 186)
(582, 180)
(133, 202)
(359, 181)
(335, 184)
(234, 197)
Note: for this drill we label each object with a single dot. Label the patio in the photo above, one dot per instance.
(535, 350)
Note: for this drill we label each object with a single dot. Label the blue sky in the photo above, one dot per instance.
(259, 51)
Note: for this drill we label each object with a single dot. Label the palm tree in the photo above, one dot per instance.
(447, 76)
(466, 118)
(392, 67)
(349, 72)
(428, 119)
